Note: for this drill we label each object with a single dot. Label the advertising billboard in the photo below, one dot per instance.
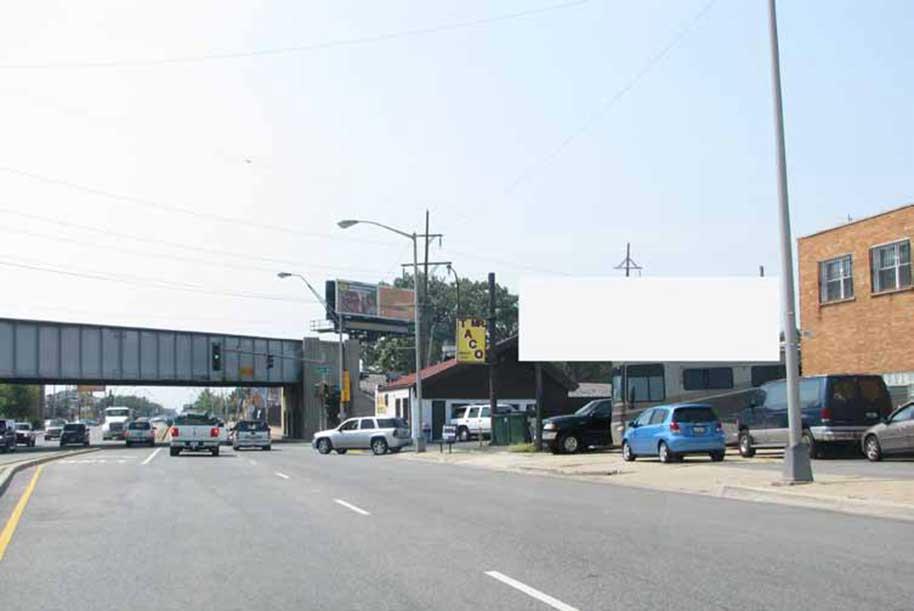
(471, 341)
(371, 301)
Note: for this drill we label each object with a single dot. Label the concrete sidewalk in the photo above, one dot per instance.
(875, 496)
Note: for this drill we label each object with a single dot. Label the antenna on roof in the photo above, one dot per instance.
(628, 263)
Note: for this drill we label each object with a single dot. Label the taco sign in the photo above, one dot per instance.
(471, 341)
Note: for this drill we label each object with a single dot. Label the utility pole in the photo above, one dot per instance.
(427, 352)
(797, 468)
(538, 440)
(628, 263)
(490, 356)
(761, 271)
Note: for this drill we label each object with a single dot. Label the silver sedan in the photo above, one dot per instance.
(894, 436)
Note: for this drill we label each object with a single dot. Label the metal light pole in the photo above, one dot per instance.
(451, 269)
(416, 407)
(797, 468)
(339, 322)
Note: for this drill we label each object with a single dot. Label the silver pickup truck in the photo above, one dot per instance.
(195, 432)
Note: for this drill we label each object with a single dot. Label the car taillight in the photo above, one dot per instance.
(174, 432)
(674, 427)
(825, 413)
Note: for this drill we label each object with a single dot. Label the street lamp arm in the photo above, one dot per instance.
(408, 236)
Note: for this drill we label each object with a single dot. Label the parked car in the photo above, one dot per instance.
(380, 435)
(53, 428)
(251, 434)
(139, 431)
(25, 435)
(836, 410)
(673, 431)
(587, 427)
(894, 436)
(7, 435)
(74, 433)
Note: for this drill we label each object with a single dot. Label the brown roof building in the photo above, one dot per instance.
(857, 299)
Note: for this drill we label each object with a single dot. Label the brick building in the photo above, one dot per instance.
(857, 299)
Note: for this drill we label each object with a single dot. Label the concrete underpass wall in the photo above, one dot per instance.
(302, 407)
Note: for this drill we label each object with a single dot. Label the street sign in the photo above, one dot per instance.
(449, 433)
(324, 370)
(471, 341)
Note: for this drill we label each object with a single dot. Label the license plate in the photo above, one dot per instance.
(698, 429)
(195, 444)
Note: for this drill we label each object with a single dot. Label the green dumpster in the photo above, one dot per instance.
(509, 429)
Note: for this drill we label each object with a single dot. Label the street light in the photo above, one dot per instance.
(451, 269)
(339, 323)
(416, 407)
(796, 456)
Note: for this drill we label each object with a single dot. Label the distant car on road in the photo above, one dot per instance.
(894, 436)
(24, 434)
(195, 432)
(139, 432)
(380, 435)
(251, 434)
(53, 428)
(589, 426)
(672, 431)
(7, 435)
(74, 433)
(835, 410)
(116, 418)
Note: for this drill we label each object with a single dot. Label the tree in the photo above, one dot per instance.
(439, 315)
(208, 401)
(19, 401)
(140, 406)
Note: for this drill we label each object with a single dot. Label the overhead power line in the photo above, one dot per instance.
(304, 48)
(166, 207)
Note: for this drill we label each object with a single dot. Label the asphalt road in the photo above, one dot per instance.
(290, 529)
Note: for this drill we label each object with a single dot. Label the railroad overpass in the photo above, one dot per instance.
(46, 352)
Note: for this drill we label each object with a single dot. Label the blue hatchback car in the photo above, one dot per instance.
(672, 431)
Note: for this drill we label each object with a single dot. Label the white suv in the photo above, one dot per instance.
(380, 435)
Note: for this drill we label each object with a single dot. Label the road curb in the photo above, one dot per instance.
(880, 509)
(8, 471)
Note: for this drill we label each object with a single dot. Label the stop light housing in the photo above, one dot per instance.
(217, 357)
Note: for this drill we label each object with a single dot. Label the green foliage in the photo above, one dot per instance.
(396, 353)
(141, 406)
(588, 372)
(19, 401)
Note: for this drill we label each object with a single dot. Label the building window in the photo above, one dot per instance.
(836, 279)
(707, 378)
(891, 265)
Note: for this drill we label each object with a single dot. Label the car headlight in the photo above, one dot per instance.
(549, 426)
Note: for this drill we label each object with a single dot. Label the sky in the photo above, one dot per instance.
(160, 162)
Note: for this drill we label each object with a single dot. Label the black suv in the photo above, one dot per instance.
(589, 426)
(7, 435)
(836, 410)
(74, 433)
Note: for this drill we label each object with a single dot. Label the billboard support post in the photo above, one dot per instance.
(418, 437)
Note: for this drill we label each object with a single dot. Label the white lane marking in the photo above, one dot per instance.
(253, 462)
(151, 456)
(533, 592)
(351, 506)
(282, 475)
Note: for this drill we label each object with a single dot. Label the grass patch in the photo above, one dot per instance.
(522, 448)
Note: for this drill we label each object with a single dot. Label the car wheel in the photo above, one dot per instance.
(745, 445)
(872, 449)
(174, 451)
(570, 444)
(379, 446)
(341, 450)
(324, 446)
(627, 454)
(815, 451)
(666, 455)
(463, 434)
(717, 456)
(267, 448)
(215, 451)
(127, 444)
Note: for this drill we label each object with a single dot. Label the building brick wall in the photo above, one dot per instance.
(869, 333)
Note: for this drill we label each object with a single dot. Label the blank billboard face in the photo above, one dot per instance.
(649, 319)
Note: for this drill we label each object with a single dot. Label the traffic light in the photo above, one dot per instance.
(269, 361)
(217, 357)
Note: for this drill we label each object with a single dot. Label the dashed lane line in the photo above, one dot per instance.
(151, 456)
(282, 475)
(531, 592)
(358, 510)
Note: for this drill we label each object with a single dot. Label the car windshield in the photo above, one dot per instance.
(74, 427)
(694, 414)
(117, 412)
(139, 426)
(22, 426)
(585, 411)
(195, 420)
(248, 425)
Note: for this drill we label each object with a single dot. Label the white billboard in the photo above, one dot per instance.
(649, 319)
